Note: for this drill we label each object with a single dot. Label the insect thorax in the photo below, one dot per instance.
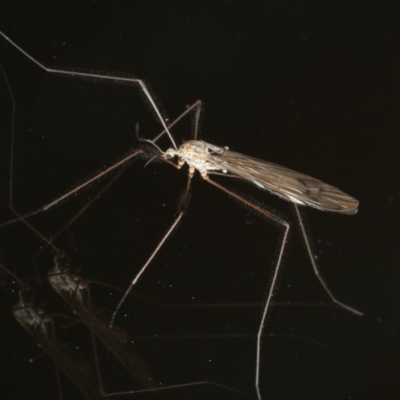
(199, 155)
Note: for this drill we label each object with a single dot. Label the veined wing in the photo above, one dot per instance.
(286, 183)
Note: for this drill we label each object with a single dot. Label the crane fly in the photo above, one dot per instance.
(288, 184)
(209, 160)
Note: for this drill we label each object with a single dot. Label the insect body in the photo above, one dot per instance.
(288, 184)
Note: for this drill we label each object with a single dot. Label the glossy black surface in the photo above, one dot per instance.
(309, 86)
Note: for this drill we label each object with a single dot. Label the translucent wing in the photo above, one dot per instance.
(288, 184)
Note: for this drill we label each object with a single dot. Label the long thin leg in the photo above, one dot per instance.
(157, 249)
(286, 228)
(14, 106)
(71, 192)
(79, 213)
(197, 108)
(316, 269)
(137, 81)
(194, 107)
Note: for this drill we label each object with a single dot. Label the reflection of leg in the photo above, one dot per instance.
(316, 269)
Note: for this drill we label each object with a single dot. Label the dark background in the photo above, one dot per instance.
(310, 85)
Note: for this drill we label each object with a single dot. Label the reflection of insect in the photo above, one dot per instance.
(209, 160)
(88, 378)
(38, 325)
(75, 291)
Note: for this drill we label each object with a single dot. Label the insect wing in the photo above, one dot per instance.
(288, 184)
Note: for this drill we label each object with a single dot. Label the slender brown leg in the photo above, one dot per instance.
(286, 228)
